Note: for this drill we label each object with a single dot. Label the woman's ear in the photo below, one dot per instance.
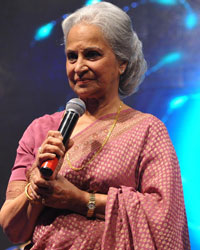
(122, 67)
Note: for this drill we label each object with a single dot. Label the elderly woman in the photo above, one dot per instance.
(119, 183)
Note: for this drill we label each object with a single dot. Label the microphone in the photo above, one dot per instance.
(74, 109)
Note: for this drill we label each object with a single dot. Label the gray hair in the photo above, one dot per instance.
(117, 29)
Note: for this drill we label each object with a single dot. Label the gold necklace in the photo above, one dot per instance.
(102, 145)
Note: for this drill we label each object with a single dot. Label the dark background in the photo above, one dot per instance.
(33, 80)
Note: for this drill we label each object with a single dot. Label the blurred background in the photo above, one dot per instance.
(33, 80)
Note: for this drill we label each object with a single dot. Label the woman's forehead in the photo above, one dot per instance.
(89, 35)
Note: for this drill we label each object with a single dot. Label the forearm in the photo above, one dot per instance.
(18, 217)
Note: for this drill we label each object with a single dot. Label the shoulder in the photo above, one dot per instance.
(151, 121)
(141, 118)
(154, 129)
(39, 127)
(46, 122)
(144, 124)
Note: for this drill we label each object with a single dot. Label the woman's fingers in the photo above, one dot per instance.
(51, 147)
(53, 144)
(39, 188)
(33, 194)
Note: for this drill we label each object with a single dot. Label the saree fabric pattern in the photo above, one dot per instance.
(139, 171)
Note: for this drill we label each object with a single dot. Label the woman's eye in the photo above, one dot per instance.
(92, 54)
(72, 56)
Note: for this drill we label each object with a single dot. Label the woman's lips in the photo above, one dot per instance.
(82, 81)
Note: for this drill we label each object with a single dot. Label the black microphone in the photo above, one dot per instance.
(74, 109)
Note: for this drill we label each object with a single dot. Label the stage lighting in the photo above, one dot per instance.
(167, 59)
(65, 16)
(89, 2)
(170, 58)
(177, 102)
(165, 2)
(191, 21)
(126, 8)
(44, 31)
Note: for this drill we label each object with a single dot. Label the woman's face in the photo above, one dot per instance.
(92, 68)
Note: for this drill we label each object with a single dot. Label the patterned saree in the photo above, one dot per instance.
(139, 171)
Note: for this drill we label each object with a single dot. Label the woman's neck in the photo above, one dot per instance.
(95, 108)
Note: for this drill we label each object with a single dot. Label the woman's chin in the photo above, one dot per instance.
(85, 94)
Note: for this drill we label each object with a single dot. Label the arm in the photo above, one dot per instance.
(18, 216)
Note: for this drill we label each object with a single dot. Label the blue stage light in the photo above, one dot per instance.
(178, 102)
(165, 2)
(44, 31)
(89, 2)
(126, 8)
(171, 57)
(134, 5)
(65, 16)
(191, 21)
(167, 59)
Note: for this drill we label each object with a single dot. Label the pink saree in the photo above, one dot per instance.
(139, 171)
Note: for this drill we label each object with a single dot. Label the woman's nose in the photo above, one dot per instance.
(80, 66)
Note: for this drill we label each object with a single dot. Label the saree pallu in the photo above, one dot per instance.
(139, 171)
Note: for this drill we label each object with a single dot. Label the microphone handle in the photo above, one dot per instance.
(66, 127)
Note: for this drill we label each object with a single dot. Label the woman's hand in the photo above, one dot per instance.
(64, 195)
(57, 193)
(51, 147)
(39, 186)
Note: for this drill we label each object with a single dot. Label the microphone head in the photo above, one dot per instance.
(76, 105)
